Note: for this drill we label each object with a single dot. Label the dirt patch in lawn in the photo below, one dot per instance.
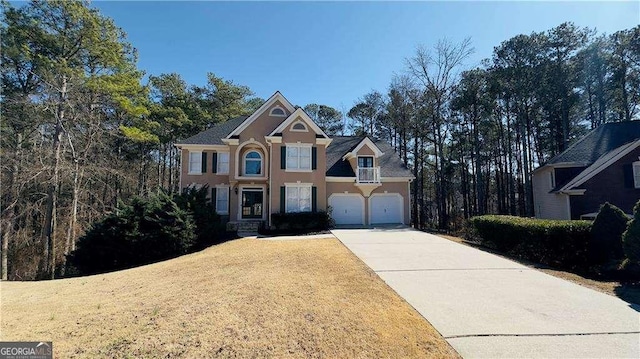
(627, 291)
(245, 298)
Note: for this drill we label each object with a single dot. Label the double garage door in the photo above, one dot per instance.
(350, 208)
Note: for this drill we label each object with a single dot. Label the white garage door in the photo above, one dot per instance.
(347, 208)
(386, 208)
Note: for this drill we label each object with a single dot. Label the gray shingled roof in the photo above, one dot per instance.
(215, 134)
(390, 163)
(599, 142)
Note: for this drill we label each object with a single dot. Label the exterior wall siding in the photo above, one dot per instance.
(607, 186)
(548, 205)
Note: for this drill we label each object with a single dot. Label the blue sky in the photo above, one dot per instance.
(331, 52)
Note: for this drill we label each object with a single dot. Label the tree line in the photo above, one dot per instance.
(474, 136)
(83, 129)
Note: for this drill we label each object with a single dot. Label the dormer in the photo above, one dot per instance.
(364, 159)
(364, 155)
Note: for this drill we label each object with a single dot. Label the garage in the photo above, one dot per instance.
(347, 208)
(386, 208)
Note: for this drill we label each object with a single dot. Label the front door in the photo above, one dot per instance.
(252, 199)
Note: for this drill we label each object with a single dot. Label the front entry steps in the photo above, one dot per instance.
(245, 228)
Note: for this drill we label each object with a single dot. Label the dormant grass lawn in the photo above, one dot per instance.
(246, 298)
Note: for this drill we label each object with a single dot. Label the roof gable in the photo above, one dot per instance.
(599, 165)
(597, 143)
(366, 141)
(277, 96)
(299, 113)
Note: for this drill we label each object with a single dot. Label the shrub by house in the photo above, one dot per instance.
(557, 243)
(145, 231)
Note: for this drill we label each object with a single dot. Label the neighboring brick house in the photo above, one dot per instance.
(603, 166)
(278, 160)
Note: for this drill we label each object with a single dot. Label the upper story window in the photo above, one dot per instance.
(552, 179)
(636, 174)
(278, 112)
(223, 163)
(299, 157)
(252, 163)
(365, 161)
(299, 127)
(195, 162)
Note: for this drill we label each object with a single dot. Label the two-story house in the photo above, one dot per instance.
(278, 160)
(603, 166)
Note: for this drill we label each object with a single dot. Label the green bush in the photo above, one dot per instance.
(209, 226)
(553, 242)
(631, 237)
(145, 231)
(299, 222)
(606, 234)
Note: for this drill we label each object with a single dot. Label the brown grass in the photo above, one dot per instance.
(245, 298)
(627, 291)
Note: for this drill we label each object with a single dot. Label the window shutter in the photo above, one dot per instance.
(204, 162)
(314, 158)
(283, 157)
(628, 175)
(314, 199)
(214, 162)
(282, 199)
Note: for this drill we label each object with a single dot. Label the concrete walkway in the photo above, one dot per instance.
(490, 307)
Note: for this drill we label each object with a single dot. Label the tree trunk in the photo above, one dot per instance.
(416, 163)
(52, 191)
(70, 244)
(4, 237)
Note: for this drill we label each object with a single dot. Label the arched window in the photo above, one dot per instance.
(299, 127)
(252, 163)
(277, 111)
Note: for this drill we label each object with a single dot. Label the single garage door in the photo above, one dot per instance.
(347, 208)
(386, 208)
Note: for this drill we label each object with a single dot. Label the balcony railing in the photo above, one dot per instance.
(368, 175)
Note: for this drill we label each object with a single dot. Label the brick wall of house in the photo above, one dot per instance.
(610, 186)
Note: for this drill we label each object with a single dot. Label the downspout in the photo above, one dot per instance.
(409, 200)
(180, 181)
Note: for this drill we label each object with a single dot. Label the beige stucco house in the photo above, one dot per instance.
(278, 160)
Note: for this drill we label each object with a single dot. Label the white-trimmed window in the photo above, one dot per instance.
(222, 199)
(636, 174)
(299, 126)
(195, 162)
(278, 112)
(298, 157)
(298, 198)
(223, 163)
(552, 179)
(252, 163)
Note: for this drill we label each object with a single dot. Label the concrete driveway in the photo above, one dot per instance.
(490, 307)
